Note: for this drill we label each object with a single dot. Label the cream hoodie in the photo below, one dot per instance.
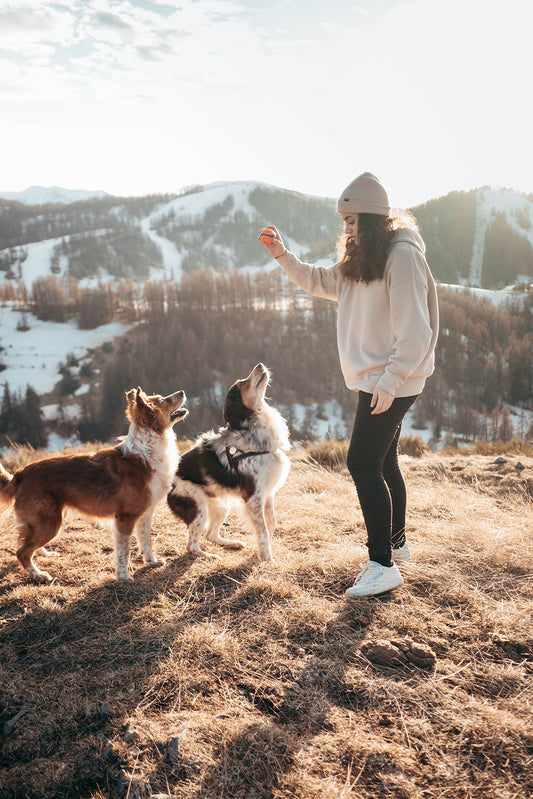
(386, 330)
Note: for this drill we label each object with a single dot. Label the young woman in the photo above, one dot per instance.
(387, 327)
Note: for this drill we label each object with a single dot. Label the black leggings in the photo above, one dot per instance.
(373, 463)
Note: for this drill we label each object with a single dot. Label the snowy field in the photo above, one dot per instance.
(33, 357)
(498, 298)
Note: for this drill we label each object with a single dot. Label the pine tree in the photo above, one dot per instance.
(505, 429)
(31, 429)
(5, 410)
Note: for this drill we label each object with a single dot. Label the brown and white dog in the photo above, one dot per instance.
(123, 482)
(245, 460)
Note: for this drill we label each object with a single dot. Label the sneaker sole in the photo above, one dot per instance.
(364, 596)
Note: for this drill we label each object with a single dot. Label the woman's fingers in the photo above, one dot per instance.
(269, 234)
(381, 401)
(270, 237)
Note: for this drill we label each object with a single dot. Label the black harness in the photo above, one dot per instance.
(234, 459)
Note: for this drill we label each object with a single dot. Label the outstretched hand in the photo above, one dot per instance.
(270, 237)
(381, 401)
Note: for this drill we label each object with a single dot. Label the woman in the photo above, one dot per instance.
(387, 327)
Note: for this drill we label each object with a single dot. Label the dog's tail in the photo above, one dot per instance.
(7, 488)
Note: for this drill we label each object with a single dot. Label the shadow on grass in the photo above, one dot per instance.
(105, 648)
(255, 761)
(251, 764)
(81, 668)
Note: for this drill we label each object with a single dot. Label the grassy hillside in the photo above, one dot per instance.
(226, 679)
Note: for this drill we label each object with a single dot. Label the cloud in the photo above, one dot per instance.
(21, 20)
(109, 28)
(25, 30)
(108, 20)
(147, 32)
(148, 53)
(105, 19)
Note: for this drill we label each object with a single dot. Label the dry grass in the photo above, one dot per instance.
(230, 679)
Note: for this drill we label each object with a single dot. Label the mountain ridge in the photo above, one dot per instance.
(45, 195)
(482, 238)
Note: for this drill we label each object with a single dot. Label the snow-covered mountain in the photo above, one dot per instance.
(156, 237)
(43, 195)
(480, 238)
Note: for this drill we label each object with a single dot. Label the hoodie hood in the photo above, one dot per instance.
(410, 236)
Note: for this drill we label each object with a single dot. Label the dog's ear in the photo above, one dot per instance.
(141, 397)
(235, 411)
(131, 397)
(136, 395)
(140, 408)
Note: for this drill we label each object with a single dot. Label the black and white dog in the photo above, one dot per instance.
(245, 460)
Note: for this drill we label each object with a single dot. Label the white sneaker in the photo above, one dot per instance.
(402, 554)
(375, 579)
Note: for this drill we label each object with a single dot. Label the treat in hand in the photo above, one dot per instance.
(267, 235)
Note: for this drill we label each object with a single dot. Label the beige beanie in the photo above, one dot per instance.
(364, 195)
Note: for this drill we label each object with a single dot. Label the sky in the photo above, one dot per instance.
(137, 97)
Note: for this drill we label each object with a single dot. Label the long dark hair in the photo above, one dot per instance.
(364, 257)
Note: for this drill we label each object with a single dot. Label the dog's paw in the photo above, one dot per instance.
(40, 577)
(155, 562)
(48, 553)
(201, 553)
(268, 563)
(228, 543)
(124, 578)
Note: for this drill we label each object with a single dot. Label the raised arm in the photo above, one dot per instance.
(320, 281)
